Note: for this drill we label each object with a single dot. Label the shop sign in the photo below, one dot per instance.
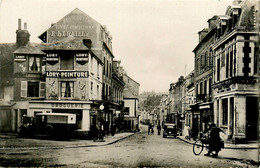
(81, 58)
(204, 107)
(66, 105)
(52, 58)
(19, 58)
(67, 74)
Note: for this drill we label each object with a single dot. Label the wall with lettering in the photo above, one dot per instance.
(77, 24)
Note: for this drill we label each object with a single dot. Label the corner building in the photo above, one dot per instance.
(236, 57)
(71, 72)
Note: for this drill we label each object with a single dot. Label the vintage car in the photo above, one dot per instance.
(169, 130)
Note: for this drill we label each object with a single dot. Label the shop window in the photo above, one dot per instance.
(34, 64)
(67, 89)
(67, 62)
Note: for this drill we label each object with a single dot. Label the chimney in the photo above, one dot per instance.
(87, 42)
(22, 36)
(25, 26)
(19, 24)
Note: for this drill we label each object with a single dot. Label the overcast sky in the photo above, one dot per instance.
(153, 39)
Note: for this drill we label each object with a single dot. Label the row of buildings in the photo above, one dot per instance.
(73, 70)
(223, 87)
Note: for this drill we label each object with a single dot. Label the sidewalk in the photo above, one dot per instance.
(227, 144)
(12, 141)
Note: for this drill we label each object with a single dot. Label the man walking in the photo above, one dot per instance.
(159, 129)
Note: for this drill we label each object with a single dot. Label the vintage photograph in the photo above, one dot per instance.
(129, 83)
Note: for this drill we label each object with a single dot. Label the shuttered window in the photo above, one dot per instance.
(32, 89)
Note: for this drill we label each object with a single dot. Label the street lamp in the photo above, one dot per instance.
(101, 107)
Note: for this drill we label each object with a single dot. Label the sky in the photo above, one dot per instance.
(153, 39)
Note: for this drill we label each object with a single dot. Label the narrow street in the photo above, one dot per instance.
(139, 150)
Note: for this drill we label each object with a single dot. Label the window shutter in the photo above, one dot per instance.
(24, 89)
(42, 89)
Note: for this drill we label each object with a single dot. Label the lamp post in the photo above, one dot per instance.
(101, 107)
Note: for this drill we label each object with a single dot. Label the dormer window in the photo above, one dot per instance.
(34, 64)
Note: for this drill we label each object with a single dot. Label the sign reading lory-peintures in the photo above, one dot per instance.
(77, 24)
(67, 74)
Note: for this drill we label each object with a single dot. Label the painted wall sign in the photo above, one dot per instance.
(67, 74)
(81, 57)
(19, 58)
(76, 24)
(52, 57)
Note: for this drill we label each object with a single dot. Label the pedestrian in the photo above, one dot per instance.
(152, 131)
(113, 129)
(159, 129)
(149, 128)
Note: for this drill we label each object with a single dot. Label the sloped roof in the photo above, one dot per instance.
(31, 48)
(247, 15)
(6, 63)
(68, 43)
(76, 11)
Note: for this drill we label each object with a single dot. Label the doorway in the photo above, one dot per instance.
(251, 118)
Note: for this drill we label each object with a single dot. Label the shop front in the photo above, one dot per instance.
(82, 110)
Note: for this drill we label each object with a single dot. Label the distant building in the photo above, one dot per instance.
(131, 111)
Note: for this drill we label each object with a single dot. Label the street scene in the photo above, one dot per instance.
(129, 83)
(136, 150)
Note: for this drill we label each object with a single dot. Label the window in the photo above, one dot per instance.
(205, 87)
(98, 91)
(34, 64)
(210, 83)
(225, 111)
(32, 89)
(218, 69)
(91, 87)
(67, 62)
(97, 69)
(104, 67)
(227, 64)
(67, 89)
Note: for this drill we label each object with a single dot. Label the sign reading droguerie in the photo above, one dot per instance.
(67, 74)
(67, 105)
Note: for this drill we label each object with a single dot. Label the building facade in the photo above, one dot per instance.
(131, 94)
(236, 54)
(70, 72)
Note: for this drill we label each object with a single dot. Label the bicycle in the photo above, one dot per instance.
(200, 144)
(203, 142)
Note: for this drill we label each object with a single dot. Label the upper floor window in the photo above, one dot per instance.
(32, 89)
(34, 64)
(67, 62)
(67, 89)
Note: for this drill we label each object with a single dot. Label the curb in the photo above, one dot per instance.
(238, 148)
(72, 146)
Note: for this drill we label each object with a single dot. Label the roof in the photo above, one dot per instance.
(68, 43)
(6, 63)
(31, 48)
(76, 11)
